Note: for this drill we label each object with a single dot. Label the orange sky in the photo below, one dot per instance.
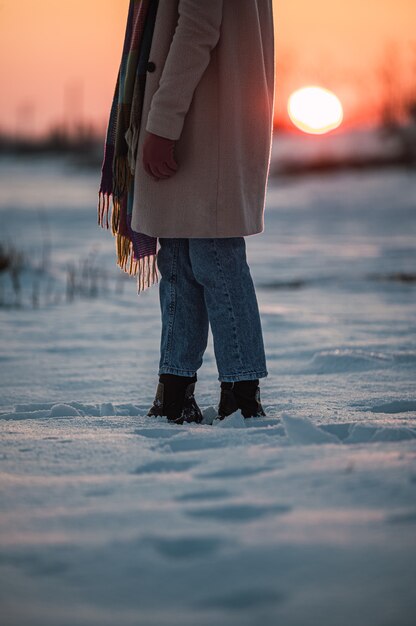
(59, 60)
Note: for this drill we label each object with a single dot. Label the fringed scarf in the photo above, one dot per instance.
(136, 252)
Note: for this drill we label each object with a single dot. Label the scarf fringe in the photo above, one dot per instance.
(122, 180)
(125, 258)
(115, 216)
(144, 268)
(103, 208)
(104, 211)
(147, 274)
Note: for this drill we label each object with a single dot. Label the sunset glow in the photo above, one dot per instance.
(75, 48)
(315, 110)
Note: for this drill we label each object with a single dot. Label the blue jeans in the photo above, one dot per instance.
(208, 281)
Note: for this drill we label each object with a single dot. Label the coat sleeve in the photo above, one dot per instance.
(196, 34)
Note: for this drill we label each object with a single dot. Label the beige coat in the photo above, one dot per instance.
(210, 86)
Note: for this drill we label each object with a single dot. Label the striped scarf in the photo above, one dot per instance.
(136, 252)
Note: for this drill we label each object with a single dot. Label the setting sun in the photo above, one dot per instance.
(315, 110)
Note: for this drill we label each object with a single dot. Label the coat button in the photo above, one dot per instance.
(151, 66)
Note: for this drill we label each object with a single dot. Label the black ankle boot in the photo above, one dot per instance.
(175, 399)
(243, 395)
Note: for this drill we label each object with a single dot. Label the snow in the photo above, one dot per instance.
(302, 431)
(306, 516)
(360, 143)
(62, 410)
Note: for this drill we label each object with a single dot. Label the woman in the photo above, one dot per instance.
(203, 161)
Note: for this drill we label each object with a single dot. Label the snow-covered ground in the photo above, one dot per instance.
(360, 144)
(305, 517)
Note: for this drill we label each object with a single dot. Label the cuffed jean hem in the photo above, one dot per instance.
(175, 370)
(231, 378)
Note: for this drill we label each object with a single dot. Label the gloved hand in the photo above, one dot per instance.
(158, 157)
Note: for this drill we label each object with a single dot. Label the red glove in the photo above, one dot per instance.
(158, 157)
